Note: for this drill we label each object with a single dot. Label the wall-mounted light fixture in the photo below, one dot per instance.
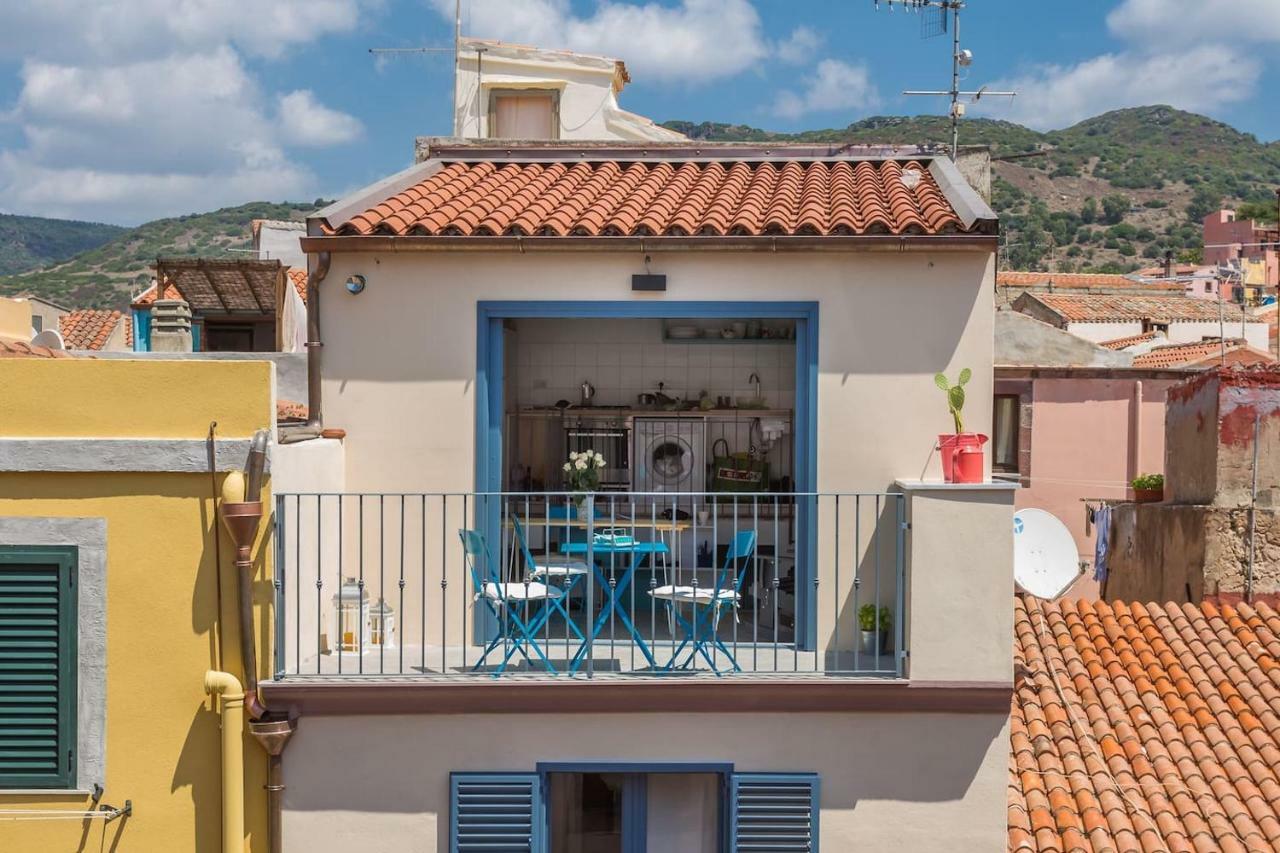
(648, 281)
(355, 284)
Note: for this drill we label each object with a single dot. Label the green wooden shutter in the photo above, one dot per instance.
(37, 667)
(496, 813)
(774, 812)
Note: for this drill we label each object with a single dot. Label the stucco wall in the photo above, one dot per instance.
(1089, 438)
(918, 782)
(400, 362)
(161, 592)
(1180, 333)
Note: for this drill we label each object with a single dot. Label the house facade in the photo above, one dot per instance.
(1244, 244)
(455, 305)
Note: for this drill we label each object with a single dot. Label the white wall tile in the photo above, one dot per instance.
(562, 354)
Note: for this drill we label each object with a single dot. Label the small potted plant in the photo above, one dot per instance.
(1148, 488)
(950, 443)
(582, 474)
(875, 624)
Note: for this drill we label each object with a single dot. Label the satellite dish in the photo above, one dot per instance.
(1046, 561)
(50, 338)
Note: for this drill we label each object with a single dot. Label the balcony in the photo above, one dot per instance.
(449, 587)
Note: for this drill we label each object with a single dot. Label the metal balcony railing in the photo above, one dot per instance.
(555, 585)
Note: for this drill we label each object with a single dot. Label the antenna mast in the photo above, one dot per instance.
(455, 50)
(935, 23)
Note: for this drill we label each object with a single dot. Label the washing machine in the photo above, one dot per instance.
(670, 455)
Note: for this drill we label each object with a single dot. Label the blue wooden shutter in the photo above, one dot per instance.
(37, 667)
(775, 812)
(496, 813)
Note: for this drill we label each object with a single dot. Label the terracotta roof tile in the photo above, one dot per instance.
(89, 328)
(1099, 308)
(148, 296)
(14, 348)
(1131, 340)
(648, 198)
(1206, 352)
(1133, 727)
(1081, 281)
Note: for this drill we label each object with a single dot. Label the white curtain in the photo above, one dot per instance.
(293, 321)
(684, 812)
(522, 117)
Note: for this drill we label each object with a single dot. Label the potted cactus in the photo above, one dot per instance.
(875, 624)
(950, 445)
(1148, 488)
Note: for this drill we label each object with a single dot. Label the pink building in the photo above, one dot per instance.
(1227, 239)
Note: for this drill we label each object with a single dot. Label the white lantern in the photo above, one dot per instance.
(382, 625)
(350, 618)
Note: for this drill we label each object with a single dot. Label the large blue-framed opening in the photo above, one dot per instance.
(490, 407)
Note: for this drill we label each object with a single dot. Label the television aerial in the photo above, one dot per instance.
(1045, 559)
(934, 15)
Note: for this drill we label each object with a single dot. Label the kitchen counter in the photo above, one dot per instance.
(635, 412)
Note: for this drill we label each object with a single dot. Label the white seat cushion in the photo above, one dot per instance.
(558, 567)
(532, 591)
(687, 594)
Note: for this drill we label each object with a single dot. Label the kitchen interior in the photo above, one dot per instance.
(687, 413)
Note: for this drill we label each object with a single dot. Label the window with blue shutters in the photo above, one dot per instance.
(37, 667)
(773, 812)
(496, 813)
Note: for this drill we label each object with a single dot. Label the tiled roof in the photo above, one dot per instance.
(298, 277)
(11, 348)
(1132, 340)
(1144, 727)
(1097, 308)
(148, 296)
(1208, 351)
(1067, 280)
(672, 198)
(290, 410)
(89, 328)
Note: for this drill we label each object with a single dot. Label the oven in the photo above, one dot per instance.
(611, 438)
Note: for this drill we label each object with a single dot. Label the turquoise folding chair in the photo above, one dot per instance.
(707, 604)
(504, 601)
(564, 571)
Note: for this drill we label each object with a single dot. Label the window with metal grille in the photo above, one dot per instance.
(37, 666)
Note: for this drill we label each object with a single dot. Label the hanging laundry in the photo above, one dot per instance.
(1102, 520)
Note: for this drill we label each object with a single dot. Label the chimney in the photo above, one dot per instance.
(170, 326)
(1168, 263)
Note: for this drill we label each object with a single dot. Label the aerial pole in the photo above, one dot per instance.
(934, 22)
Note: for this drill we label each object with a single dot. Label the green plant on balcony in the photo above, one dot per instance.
(875, 624)
(955, 395)
(1148, 488)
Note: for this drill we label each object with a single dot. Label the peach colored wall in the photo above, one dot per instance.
(1082, 446)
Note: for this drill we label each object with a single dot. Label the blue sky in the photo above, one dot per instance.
(140, 108)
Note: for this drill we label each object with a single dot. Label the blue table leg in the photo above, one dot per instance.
(611, 603)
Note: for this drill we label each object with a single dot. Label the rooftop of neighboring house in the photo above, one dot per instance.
(495, 52)
(1132, 341)
(1077, 281)
(31, 297)
(728, 191)
(92, 328)
(1097, 308)
(1144, 727)
(1207, 352)
(243, 285)
(17, 348)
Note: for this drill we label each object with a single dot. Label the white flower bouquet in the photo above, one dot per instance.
(582, 472)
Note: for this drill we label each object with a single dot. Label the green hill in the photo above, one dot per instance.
(105, 276)
(29, 242)
(1111, 193)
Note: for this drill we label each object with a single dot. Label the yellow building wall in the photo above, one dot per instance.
(123, 398)
(163, 732)
(15, 318)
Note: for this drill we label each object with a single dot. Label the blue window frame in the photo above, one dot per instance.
(509, 811)
(489, 404)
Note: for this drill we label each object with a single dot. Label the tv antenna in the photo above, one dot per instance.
(934, 15)
(455, 50)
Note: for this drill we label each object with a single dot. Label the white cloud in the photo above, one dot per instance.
(139, 108)
(96, 30)
(694, 41)
(1182, 22)
(799, 47)
(1198, 79)
(305, 121)
(834, 86)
